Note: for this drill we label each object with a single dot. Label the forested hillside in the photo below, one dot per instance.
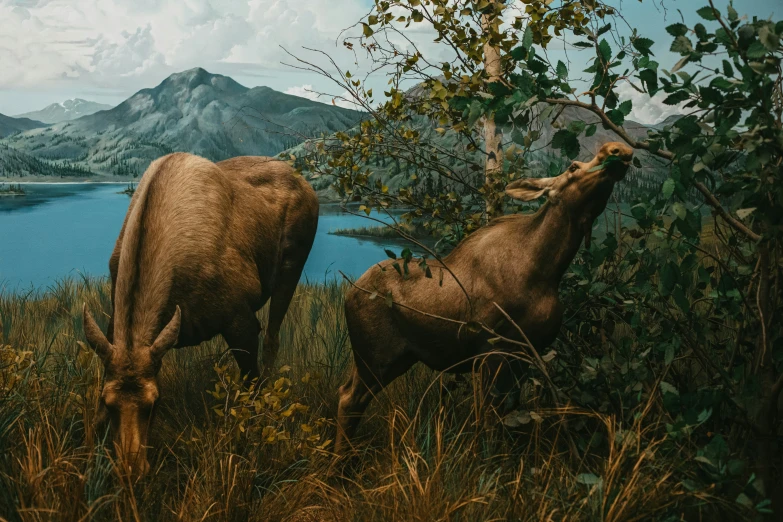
(206, 114)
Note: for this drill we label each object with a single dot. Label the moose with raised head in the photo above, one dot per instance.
(203, 247)
(514, 263)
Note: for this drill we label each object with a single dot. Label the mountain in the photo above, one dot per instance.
(194, 111)
(9, 125)
(66, 111)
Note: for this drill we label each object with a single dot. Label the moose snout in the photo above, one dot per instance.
(620, 150)
(135, 463)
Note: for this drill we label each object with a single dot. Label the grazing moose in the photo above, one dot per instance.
(516, 261)
(203, 247)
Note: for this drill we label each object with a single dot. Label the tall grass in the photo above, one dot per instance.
(427, 452)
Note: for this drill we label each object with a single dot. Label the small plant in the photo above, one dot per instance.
(268, 415)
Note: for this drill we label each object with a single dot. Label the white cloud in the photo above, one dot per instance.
(106, 43)
(344, 100)
(303, 91)
(646, 109)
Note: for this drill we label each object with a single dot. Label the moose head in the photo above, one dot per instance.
(584, 188)
(130, 387)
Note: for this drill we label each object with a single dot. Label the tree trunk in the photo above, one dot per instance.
(769, 457)
(493, 136)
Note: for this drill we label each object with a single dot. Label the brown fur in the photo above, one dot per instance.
(203, 247)
(516, 261)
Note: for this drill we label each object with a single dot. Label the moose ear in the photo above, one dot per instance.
(528, 189)
(168, 336)
(95, 337)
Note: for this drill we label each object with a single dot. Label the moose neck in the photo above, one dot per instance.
(557, 230)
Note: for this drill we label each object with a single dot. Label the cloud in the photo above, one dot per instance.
(303, 91)
(106, 43)
(306, 91)
(646, 109)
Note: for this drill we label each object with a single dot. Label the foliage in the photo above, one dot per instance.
(261, 413)
(679, 306)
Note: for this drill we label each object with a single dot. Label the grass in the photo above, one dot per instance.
(428, 453)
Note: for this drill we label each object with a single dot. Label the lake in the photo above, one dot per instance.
(63, 230)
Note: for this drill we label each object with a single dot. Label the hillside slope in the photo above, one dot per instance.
(9, 125)
(206, 114)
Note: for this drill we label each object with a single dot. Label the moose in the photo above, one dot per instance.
(203, 247)
(514, 263)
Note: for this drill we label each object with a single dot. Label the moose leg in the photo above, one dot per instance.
(500, 375)
(278, 306)
(355, 395)
(242, 338)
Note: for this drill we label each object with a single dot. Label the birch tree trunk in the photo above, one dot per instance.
(493, 136)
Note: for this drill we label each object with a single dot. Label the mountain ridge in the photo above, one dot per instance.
(67, 110)
(194, 111)
(11, 124)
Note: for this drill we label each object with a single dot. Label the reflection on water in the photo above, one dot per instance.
(60, 230)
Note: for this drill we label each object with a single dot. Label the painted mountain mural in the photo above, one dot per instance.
(194, 111)
(66, 111)
(9, 125)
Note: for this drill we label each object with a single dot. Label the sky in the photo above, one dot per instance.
(106, 50)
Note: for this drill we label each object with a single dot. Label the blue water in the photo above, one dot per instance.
(69, 230)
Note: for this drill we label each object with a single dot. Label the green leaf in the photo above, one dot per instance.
(668, 277)
(677, 29)
(562, 71)
(389, 253)
(649, 78)
(643, 45)
(677, 97)
(688, 125)
(605, 49)
(626, 107)
(576, 126)
(681, 300)
(519, 53)
(668, 356)
(668, 388)
(590, 130)
(681, 45)
(679, 210)
(617, 116)
(707, 13)
(527, 38)
(733, 16)
(474, 113)
(668, 188)
(367, 30)
(756, 51)
(567, 142)
(518, 137)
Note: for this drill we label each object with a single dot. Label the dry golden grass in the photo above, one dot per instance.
(428, 453)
